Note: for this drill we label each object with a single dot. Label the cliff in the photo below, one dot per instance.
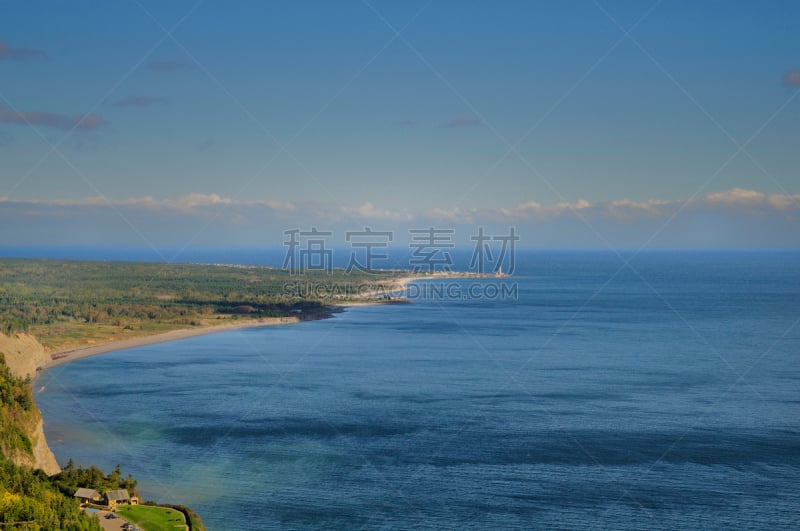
(23, 354)
(42, 456)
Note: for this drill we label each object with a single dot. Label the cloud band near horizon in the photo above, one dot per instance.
(734, 201)
(736, 218)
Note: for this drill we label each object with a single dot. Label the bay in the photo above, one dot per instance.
(589, 395)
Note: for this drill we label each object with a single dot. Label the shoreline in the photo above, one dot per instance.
(62, 357)
(375, 297)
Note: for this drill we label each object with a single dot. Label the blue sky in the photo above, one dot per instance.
(253, 117)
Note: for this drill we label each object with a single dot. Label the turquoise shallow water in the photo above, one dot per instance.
(665, 397)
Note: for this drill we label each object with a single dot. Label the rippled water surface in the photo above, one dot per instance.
(667, 396)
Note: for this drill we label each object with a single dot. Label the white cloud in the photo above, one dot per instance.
(626, 210)
(735, 217)
(369, 211)
(535, 210)
(735, 196)
(735, 200)
(453, 215)
(751, 199)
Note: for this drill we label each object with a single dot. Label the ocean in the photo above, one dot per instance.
(576, 393)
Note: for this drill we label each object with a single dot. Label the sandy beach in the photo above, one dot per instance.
(374, 297)
(61, 357)
(65, 356)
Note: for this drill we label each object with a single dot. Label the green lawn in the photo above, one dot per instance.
(152, 518)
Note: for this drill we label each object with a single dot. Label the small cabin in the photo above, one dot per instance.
(85, 495)
(117, 497)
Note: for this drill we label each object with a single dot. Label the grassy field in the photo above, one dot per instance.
(152, 518)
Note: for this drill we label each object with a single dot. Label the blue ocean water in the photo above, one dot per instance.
(591, 395)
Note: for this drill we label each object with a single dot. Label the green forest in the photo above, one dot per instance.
(17, 412)
(69, 303)
(71, 478)
(28, 498)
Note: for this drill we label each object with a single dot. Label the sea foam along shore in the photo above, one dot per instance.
(65, 356)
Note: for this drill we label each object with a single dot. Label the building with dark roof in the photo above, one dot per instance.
(87, 495)
(117, 497)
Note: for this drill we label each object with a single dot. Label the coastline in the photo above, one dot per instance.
(370, 298)
(65, 356)
(378, 296)
(62, 357)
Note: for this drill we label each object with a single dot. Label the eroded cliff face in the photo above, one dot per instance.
(23, 354)
(43, 457)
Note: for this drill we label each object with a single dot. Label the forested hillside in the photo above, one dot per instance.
(28, 498)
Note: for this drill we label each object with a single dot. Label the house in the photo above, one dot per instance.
(117, 497)
(87, 495)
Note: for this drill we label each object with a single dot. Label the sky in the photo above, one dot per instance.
(585, 123)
